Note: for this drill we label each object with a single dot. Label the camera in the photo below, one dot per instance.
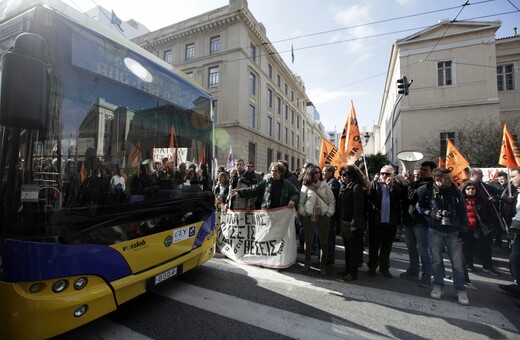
(445, 217)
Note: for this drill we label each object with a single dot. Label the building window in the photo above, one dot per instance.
(269, 157)
(278, 155)
(270, 71)
(286, 89)
(298, 121)
(213, 77)
(292, 117)
(505, 77)
(214, 45)
(292, 162)
(278, 131)
(286, 111)
(292, 140)
(252, 52)
(190, 51)
(278, 105)
(252, 83)
(444, 73)
(298, 143)
(292, 96)
(286, 135)
(167, 56)
(251, 116)
(252, 153)
(270, 98)
(278, 81)
(270, 126)
(444, 142)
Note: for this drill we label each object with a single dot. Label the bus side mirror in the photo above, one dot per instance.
(24, 84)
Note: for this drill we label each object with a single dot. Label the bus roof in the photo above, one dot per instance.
(12, 8)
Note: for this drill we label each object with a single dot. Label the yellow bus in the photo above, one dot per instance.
(99, 201)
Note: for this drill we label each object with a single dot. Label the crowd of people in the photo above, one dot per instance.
(437, 217)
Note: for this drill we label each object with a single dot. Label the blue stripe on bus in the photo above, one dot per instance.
(32, 261)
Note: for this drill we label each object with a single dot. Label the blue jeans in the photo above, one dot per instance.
(438, 241)
(418, 246)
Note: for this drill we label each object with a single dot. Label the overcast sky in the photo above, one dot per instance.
(341, 48)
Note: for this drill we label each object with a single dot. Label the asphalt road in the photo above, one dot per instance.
(226, 300)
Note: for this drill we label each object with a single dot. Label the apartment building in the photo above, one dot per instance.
(460, 73)
(260, 104)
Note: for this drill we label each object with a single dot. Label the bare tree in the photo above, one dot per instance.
(478, 141)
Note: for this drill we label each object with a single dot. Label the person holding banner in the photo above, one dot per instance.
(317, 205)
(275, 191)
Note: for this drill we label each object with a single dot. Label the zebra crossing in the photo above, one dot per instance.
(307, 306)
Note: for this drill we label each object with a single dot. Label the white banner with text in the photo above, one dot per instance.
(260, 237)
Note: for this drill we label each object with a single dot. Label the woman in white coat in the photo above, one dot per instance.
(317, 205)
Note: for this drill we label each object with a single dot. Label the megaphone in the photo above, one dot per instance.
(408, 159)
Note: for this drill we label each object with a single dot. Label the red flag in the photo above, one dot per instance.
(510, 151)
(352, 138)
(456, 163)
(202, 158)
(442, 164)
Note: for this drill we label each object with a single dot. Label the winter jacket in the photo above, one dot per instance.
(350, 206)
(433, 198)
(263, 189)
(324, 195)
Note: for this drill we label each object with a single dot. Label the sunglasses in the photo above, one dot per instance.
(471, 188)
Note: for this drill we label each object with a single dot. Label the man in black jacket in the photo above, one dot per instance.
(417, 230)
(444, 208)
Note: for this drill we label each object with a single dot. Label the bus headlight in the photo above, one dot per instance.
(59, 286)
(36, 287)
(80, 283)
(80, 311)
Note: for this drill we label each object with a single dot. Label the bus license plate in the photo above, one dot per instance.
(166, 275)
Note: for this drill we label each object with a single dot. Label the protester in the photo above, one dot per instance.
(514, 230)
(328, 176)
(385, 214)
(442, 204)
(417, 230)
(241, 179)
(488, 196)
(479, 238)
(317, 205)
(350, 210)
(506, 206)
(275, 191)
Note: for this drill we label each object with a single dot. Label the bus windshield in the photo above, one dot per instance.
(124, 138)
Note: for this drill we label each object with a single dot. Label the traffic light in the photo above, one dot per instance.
(402, 86)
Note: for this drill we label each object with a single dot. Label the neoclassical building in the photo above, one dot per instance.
(260, 104)
(460, 72)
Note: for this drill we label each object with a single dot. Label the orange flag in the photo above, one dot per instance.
(172, 137)
(352, 138)
(329, 154)
(82, 173)
(510, 151)
(135, 156)
(456, 163)
(442, 164)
